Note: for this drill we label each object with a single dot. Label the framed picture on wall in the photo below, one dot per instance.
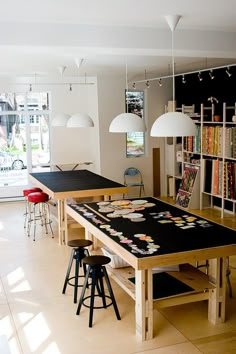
(135, 142)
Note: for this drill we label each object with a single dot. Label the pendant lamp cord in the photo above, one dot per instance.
(173, 70)
(126, 85)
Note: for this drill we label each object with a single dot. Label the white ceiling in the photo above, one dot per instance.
(39, 37)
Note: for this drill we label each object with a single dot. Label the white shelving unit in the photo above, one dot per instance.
(213, 153)
(221, 155)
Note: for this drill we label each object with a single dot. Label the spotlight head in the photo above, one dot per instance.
(147, 84)
(30, 88)
(70, 87)
(200, 76)
(183, 79)
(134, 85)
(228, 72)
(160, 82)
(211, 75)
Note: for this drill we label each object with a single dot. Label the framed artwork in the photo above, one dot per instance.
(135, 142)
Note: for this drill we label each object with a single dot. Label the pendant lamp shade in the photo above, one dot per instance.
(127, 123)
(173, 124)
(60, 120)
(80, 120)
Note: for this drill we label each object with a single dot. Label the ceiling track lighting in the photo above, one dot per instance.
(228, 72)
(147, 84)
(30, 88)
(134, 85)
(183, 79)
(200, 78)
(226, 67)
(160, 82)
(70, 87)
(212, 76)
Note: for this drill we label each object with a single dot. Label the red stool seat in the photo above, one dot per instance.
(38, 197)
(26, 192)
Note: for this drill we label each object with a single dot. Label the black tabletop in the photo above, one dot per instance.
(66, 181)
(164, 229)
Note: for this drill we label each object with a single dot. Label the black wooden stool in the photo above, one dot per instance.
(78, 253)
(97, 271)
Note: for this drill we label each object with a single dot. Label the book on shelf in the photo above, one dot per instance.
(183, 198)
(207, 166)
(186, 185)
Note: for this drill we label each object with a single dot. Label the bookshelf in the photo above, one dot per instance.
(208, 161)
(218, 161)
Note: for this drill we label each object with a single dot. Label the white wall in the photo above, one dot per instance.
(111, 101)
(102, 101)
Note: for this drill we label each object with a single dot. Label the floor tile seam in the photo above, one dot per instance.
(12, 317)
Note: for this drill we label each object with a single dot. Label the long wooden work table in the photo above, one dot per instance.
(64, 185)
(163, 235)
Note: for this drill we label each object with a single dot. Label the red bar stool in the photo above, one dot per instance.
(39, 211)
(26, 192)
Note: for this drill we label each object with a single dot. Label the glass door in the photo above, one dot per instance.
(24, 140)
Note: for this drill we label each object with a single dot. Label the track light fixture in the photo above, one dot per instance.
(211, 75)
(200, 78)
(213, 99)
(183, 79)
(160, 82)
(147, 84)
(134, 85)
(228, 72)
(70, 87)
(30, 88)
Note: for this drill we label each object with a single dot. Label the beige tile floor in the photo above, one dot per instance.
(36, 318)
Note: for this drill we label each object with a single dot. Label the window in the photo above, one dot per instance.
(135, 142)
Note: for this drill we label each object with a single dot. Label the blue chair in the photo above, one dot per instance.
(133, 178)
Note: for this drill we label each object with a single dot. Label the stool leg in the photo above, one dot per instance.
(26, 212)
(29, 220)
(102, 291)
(83, 291)
(77, 261)
(48, 219)
(92, 293)
(111, 293)
(34, 213)
(68, 271)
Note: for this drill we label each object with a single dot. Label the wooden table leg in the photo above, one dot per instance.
(61, 221)
(89, 236)
(144, 304)
(217, 296)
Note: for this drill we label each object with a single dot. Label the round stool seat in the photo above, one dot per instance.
(79, 243)
(96, 260)
(38, 197)
(26, 192)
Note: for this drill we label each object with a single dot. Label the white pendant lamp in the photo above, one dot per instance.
(127, 122)
(80, 120)
(173, 124)
(60, 120)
